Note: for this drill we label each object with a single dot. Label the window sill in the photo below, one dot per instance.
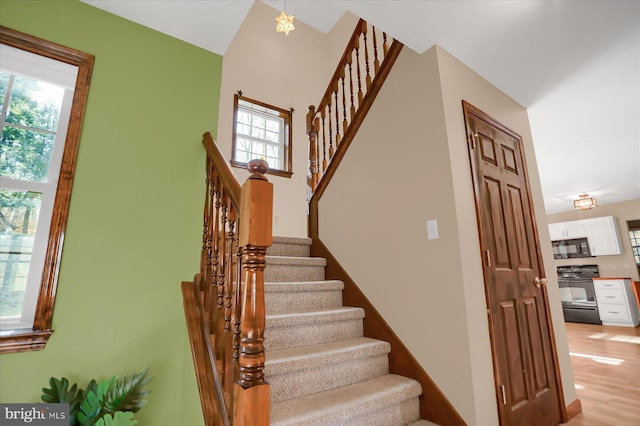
(23, 340)
(275, 172)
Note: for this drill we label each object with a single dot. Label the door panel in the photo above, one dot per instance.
(520, 329)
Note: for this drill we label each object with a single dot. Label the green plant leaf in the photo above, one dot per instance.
(120, 418)
(59, 392)
(128, 393)
(93, 405)
(90, 410)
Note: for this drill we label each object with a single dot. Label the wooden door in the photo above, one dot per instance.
(527, 385)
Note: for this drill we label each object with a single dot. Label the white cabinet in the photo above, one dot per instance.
(616, 302)
(602, 233)
(567, 230)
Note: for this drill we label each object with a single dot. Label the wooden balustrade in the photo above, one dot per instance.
(332, 125)
(224, 305)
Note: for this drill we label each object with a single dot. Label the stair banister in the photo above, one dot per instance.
(341, 120)
(224, 305)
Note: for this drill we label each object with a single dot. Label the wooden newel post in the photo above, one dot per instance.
(251, 392)
(312, 131)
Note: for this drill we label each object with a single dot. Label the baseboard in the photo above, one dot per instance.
(574, 409)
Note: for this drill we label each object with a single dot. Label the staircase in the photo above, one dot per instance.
(320, 368)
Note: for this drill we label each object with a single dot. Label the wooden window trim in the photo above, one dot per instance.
(37, 337)
(287, 115)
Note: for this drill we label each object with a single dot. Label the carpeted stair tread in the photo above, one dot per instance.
(304, 285)
(303, 295)
(423, 423)
(344, 405)
(289, 246)
(331, 365)
(296, 260)
(293, 329)
(313, 356)
(341, 313)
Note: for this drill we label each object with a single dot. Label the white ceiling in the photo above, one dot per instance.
(574, 64)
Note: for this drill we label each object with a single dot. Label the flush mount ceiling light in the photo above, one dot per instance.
(285, 22)
(585, 202)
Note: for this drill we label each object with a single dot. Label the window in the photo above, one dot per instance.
(43, 91)
(261, 131)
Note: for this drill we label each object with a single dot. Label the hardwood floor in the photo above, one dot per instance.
(606, 368)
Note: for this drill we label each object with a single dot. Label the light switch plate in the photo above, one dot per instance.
(432, 229)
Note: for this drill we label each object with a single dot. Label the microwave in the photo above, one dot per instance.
(569, 249)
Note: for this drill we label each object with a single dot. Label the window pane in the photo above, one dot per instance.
(258, 122)
(35, 104)
(25, 154)
(243, 129)
(258, 150)
(273, 151)
(273, 137)
(4, 83)
(242, 156)
(273, 126)
(257, 133)
(244, 145)
(244, 117)
(273, 163)
(18, 218)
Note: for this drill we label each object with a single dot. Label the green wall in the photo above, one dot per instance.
(135, 218)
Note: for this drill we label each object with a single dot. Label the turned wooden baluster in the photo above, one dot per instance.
(312, 131)
(376, 62)
(220, 281)
(251, 395)
(205, 258)
(335, 91)
(385, 44)
(331, 150)
(353, 107)
(215, 251)
(357, 49)
(324, 142)
(345, 123)
(366, 54)
(229, 299)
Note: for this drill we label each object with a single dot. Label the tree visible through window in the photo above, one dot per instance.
(261, 131)
(43, 92)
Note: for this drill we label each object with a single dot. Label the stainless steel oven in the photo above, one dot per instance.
(578, 294)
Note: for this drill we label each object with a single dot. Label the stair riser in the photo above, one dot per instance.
(285, 301)
(325, 377)
(399, 414)
(286, 249)
(311, 334)
(291, 273)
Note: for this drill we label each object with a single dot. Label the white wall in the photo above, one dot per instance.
(284, 71)
(409, 164)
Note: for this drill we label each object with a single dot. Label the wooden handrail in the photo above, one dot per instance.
(333, 124)
(227, 177)
(224, 306)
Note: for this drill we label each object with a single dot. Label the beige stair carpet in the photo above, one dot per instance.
(320, 368)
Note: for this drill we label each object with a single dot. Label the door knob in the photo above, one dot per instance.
(540, 281)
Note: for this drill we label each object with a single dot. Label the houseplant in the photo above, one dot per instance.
(111, 402)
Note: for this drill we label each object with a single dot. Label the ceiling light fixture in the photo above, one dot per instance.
(285, 22)
(585, 202)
